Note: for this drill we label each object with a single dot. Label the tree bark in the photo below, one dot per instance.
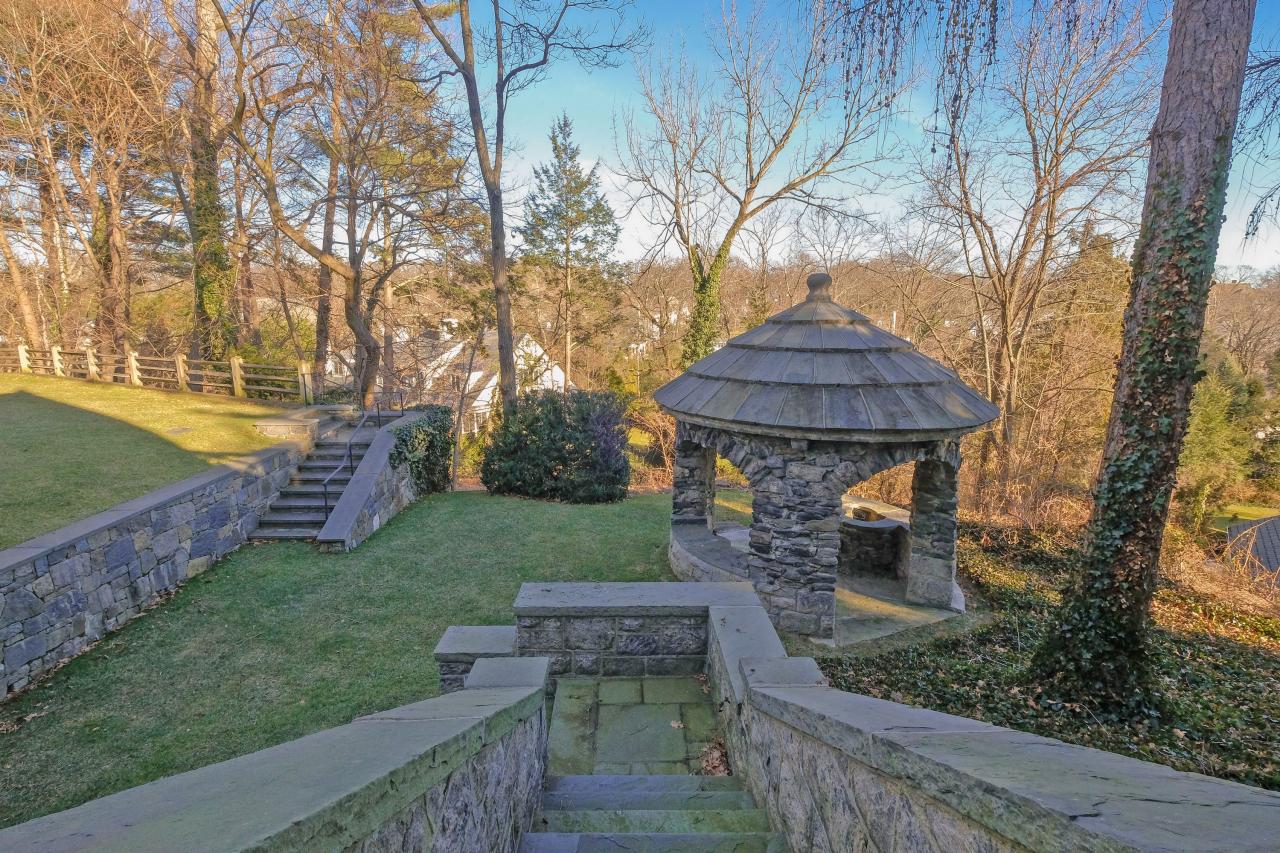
(30, 323)
(324, 278)
(1098, 647)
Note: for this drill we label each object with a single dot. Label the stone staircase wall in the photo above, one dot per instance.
(376, 493)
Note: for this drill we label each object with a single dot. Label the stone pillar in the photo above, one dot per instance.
(931, 571)
(795, 540)
(693, 480)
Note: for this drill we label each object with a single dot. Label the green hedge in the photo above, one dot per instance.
(426, 445)
(565, 448)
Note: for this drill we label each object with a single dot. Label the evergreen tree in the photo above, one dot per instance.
(568, 227)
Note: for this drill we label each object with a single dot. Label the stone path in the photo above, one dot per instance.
(620, 760)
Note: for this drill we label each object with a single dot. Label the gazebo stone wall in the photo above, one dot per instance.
(797, 488)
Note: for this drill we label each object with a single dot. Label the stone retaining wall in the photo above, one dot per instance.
(461, 772)
(618, 629)
(838, 771)
(63, 591)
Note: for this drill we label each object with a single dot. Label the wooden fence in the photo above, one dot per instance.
(233, 378)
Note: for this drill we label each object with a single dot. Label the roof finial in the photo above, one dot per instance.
(819, 287)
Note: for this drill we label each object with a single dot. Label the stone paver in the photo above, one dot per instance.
(629, 726)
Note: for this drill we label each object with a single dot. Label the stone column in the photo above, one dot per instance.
(931, 571)
(795, 540)
(693, 481)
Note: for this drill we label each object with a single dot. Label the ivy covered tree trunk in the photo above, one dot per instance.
(212, 276)
(1097, 648)
(704, 325)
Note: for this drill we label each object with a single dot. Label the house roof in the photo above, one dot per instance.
(820, 370)
(1260, 538)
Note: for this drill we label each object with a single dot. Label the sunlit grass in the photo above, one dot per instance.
(1235, 513)
(279, 640)
(69, 449)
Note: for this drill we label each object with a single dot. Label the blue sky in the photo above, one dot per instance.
(593, 99)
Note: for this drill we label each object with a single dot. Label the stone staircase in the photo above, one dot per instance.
(300, 511)
(652, 814)
(623, 765)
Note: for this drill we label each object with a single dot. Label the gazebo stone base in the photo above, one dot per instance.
(797, 489)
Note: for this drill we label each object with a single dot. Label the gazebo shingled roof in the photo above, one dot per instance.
(821, 371)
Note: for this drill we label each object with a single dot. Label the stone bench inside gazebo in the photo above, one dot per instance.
(807, 405)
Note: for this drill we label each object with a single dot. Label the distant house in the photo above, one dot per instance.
(1257, 544)
(441, 367)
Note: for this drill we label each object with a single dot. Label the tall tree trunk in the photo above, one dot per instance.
(54, 279)
(508, 385)
(212, 276)
(30, 323)
(324, 278)
(1098, 648)
(568, 320)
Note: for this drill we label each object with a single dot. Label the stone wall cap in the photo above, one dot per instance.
(781, 672)
(743, 633)
(1039, 792)
(509, 672)
(635, 599)
(465, 643)
(279, 798)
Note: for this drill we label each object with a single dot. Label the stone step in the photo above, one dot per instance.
(292, 517)
(620, 784)
(652, 842)
(313, 476)
(655, 820)
(313, 489)
(273, 533)
(326, 464)
(646, 799)
(302, 502)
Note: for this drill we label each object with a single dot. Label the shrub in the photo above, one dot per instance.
(426, 445)
(564, 448)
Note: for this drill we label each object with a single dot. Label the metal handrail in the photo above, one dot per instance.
(347, 462)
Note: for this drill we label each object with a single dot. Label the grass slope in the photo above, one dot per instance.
(278, 640)
(69, 449)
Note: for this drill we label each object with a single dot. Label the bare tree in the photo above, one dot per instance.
(775, 122)
(397, 177)
(1057, 145)
(521, 40)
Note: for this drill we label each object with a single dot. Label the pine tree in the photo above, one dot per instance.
(568, 226)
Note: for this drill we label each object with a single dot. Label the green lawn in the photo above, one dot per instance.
(279, 640)
(69, 449)
(1233, 513)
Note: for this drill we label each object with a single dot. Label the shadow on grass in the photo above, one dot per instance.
(61, 462)
(276, 641)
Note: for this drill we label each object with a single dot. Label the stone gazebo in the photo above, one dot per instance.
(812, 402)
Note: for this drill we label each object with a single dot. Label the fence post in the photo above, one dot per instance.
(180, 372)
(305, 391)
(134, 377)
(237, 376)
(24, 359)
(91, 365)
(55, 356)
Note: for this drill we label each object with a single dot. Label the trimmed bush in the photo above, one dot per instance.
(562, 448)
(426, 445)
